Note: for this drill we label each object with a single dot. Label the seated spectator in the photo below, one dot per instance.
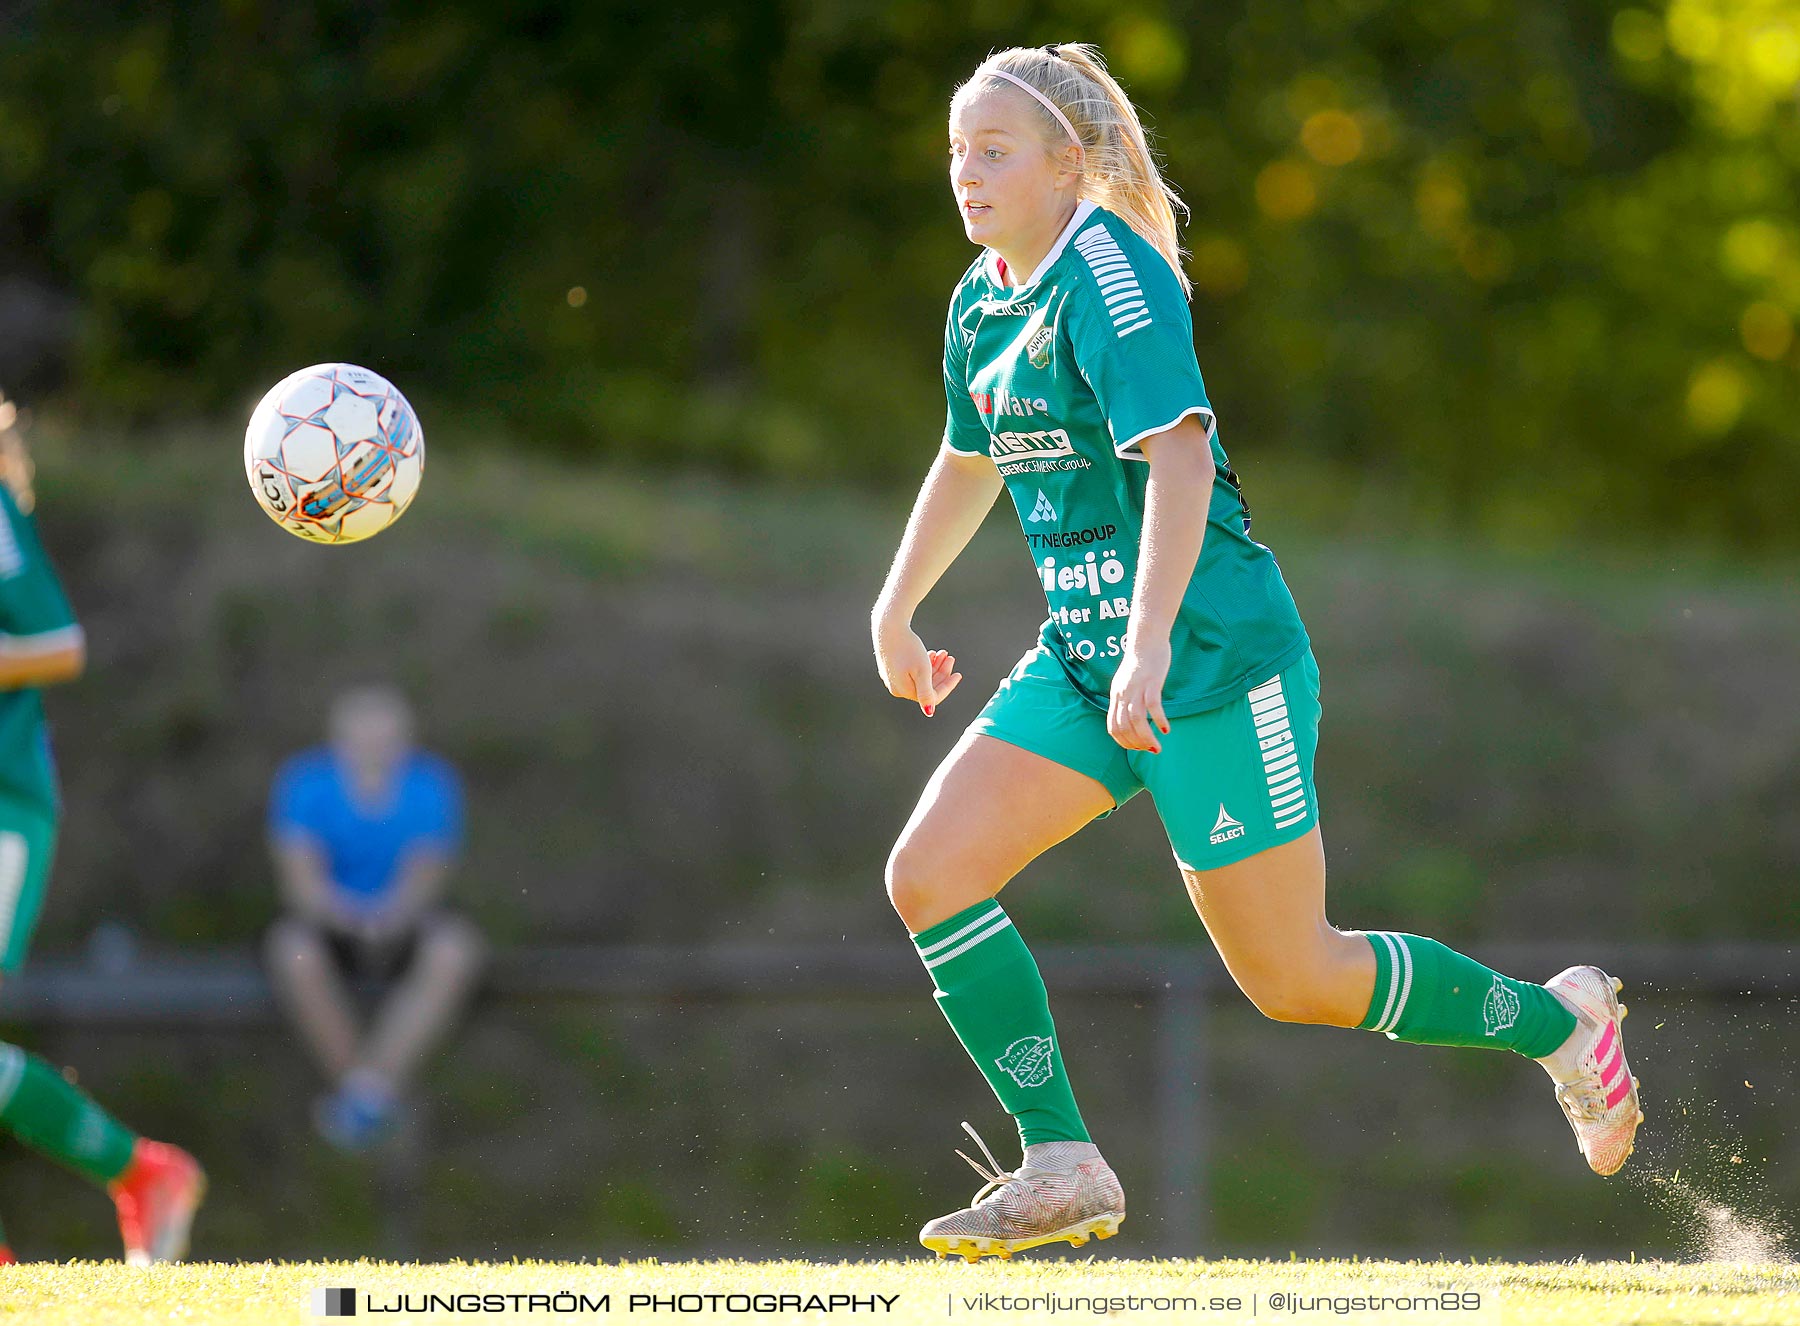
(364, 833)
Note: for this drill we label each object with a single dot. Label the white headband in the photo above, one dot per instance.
(1044, 101)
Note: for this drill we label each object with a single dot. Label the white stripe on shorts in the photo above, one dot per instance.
(15, 855)
(1280, 759)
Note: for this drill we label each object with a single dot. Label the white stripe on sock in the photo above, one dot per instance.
(1402, 982)
(1393, 978)
(1003, 923)
(926, 950)
(1406, 988)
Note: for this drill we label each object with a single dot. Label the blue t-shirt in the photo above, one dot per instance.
(366, 846)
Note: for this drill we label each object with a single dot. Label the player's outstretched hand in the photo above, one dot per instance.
(1136, 714)
(912, 672)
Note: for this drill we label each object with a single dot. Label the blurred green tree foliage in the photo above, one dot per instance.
(1527, 264)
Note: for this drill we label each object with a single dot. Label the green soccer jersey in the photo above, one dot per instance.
(35, 617)
(1058, 380)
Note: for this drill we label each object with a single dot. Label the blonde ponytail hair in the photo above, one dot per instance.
(1118, 170)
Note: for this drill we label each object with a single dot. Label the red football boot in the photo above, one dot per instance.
(157, 1196)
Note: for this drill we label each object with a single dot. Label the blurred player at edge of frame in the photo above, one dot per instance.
(1173, 659)
(156, 1187)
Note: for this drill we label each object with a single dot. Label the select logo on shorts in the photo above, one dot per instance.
(334, 1303)
(1500, 1009)
(1029, 1061)
(1225, 828)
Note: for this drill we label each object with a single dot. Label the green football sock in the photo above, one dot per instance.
(1432, 995)
(990, 989)
(44, 1110)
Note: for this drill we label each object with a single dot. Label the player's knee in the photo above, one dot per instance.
(1281, 1002)
(914, 881)
(1291, 996)
(293, 946)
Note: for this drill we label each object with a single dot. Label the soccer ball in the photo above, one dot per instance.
(334, 453)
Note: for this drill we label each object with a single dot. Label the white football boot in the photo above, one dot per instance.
(1069, 1195)
(1594, 1084)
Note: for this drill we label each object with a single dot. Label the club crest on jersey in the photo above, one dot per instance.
(1028, 1060)
(1500, 1009)
(1037, 346)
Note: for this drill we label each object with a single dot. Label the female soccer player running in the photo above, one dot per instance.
(1173, 659)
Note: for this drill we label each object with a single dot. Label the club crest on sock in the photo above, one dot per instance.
(1028, 1060)
(1500, 1009)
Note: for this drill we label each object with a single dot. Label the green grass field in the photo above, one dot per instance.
(1592, 1294)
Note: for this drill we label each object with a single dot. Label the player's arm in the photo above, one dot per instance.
(305, 882)
(41, 642)
(43, 659)
(1144, 377)
(1175, 506)
(424, 865)
(954, 500)
(420, 886)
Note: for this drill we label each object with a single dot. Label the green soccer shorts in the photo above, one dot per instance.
(1228, 783)
(27, 843)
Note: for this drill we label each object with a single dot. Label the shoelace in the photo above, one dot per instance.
(1583, 1100)
(996, 1178)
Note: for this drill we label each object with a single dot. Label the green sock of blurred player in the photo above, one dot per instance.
(1428, 994)
(51, 1114)
(991, 992)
